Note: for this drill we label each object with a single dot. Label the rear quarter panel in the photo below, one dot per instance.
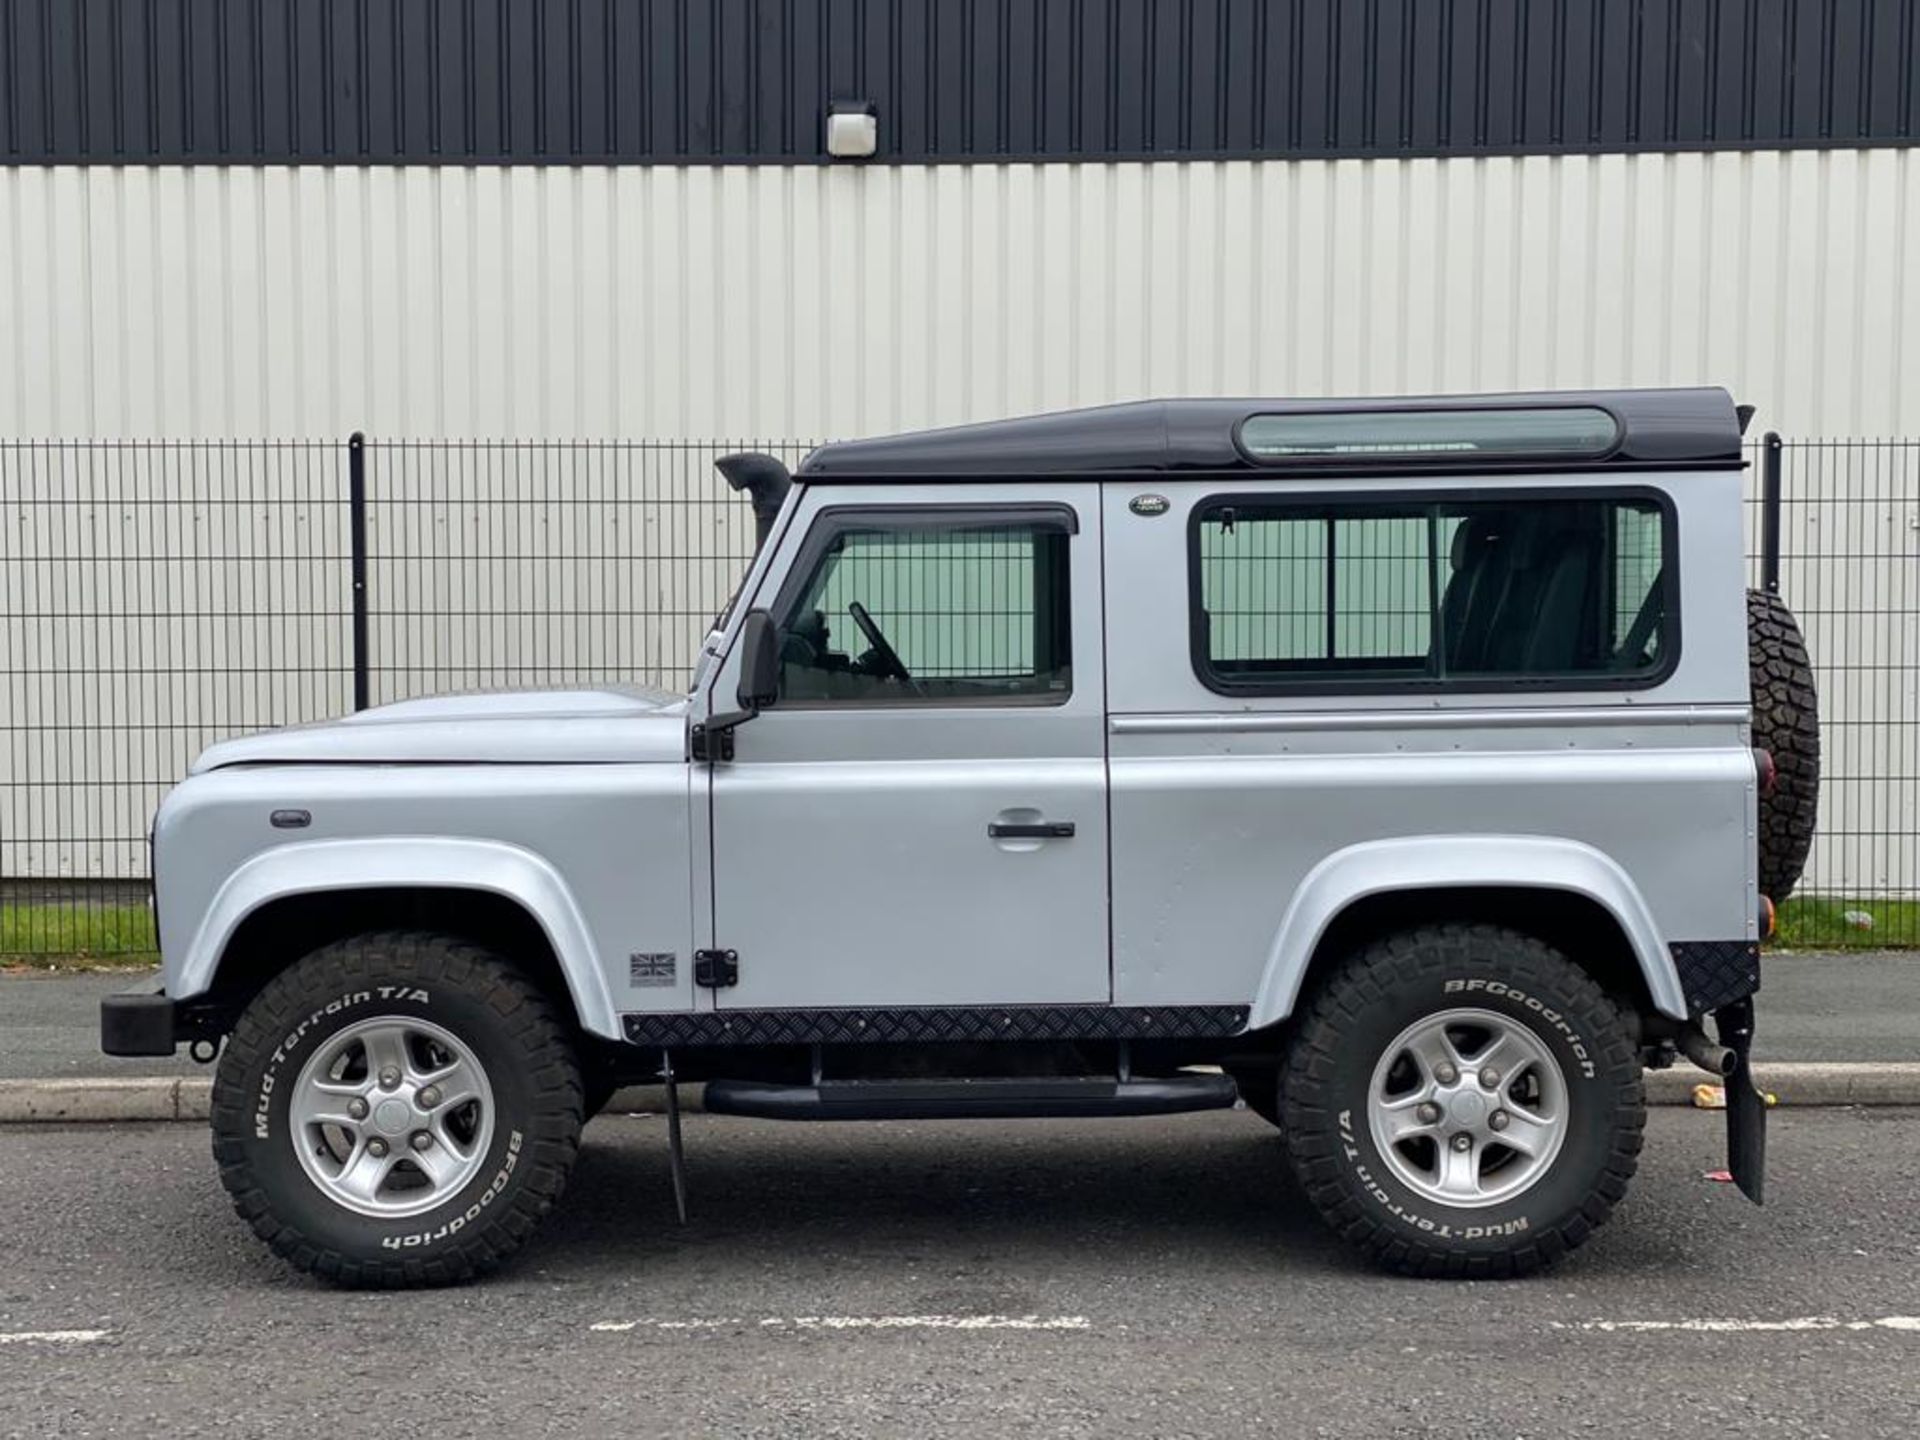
(1223, 805)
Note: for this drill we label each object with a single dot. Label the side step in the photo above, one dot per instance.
(969, 1099)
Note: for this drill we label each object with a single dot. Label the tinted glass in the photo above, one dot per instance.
(1306, 593)
(952, 614)
(1565, 587)
(1416, 434)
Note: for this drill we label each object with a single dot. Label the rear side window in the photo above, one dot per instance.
(1567, 590)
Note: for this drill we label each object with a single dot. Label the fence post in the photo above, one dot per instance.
(357, 526)
(1770, 513)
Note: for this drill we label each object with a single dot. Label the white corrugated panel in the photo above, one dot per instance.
(663, 303)
(673, 303)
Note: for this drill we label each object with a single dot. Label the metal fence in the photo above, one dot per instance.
(152, 598)
(1849, 566)
(491, 565)
(155, 597)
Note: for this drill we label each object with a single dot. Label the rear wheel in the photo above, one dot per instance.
(1462, 1100)
(397, 1109)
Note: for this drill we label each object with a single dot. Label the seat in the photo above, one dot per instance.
(1540, 625)
(1474, 590)
(1562, 637)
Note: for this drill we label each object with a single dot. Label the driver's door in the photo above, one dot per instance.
(921, 818)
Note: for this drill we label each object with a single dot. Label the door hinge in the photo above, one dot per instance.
(716, 969)
(710, 743)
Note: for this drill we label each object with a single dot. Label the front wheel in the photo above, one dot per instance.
(397, 1109)
(1462, 1100)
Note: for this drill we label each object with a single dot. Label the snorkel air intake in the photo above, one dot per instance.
(766, 483)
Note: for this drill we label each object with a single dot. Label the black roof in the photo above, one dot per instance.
(1659, 429)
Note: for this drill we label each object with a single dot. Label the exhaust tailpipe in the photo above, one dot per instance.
(1712, 1058)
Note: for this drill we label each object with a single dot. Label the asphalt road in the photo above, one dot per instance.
(1177, 1283)
(1812, 1007)
(50, 1028)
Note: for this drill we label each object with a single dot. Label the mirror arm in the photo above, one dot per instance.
(712, 739)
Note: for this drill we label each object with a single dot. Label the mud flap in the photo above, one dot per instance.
(676, 1153)
(1746, 1110)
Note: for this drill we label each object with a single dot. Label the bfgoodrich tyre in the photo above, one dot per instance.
(1786, 724)
(1462, 1100)
(397, 1109)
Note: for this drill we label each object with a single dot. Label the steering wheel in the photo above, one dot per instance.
(890, 663)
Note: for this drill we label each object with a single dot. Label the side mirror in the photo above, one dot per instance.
(759, 661)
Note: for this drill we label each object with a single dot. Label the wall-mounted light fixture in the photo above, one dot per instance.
(853, 130)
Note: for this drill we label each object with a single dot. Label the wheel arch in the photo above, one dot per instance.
(1572, 896)
(288, 902)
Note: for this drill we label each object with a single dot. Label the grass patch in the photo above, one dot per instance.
(1818, 922)
(77, 937)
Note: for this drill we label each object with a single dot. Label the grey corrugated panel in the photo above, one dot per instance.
(707, 81)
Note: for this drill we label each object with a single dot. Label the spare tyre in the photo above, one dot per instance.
(1786, 724)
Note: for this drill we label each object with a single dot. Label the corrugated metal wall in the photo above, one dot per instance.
(677, 81)
(694, 303)
(788, 302)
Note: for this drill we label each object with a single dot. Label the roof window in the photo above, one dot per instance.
(1507, 432)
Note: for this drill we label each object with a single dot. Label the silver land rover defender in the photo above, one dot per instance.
(1386, 766)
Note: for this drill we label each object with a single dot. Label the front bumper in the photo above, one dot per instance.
(150, 1022)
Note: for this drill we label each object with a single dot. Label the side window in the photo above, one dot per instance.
(1329, 592)
(936, 609)
(1566, 588)
(1639, 585)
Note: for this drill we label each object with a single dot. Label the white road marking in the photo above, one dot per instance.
(858, 1322)
(52, 1337)
(1743, 1327)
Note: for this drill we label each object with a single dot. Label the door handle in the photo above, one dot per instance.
(1037, 830)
